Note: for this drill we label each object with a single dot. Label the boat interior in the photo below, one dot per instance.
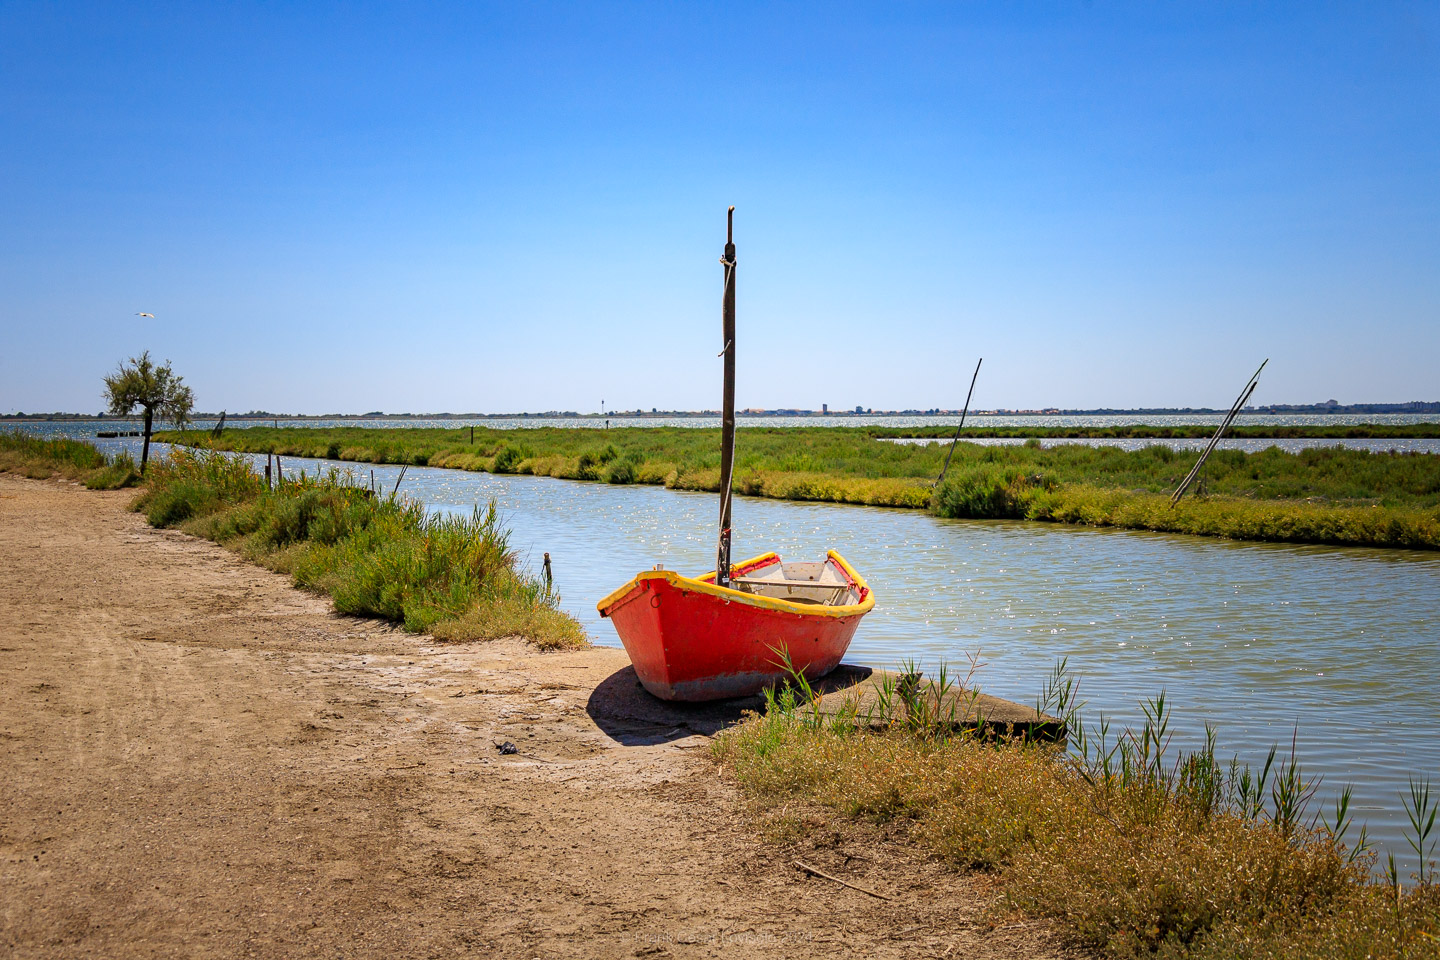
(820, 582)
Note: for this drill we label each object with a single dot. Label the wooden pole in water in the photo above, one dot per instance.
(1235, 409)
(951, 451)
(727, 422)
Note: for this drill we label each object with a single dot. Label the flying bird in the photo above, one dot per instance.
(150, 315)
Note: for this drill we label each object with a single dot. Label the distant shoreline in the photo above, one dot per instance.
(1312, 409)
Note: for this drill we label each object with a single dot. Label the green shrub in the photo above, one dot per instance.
(507, 459)
(620, 471)
(985, 491)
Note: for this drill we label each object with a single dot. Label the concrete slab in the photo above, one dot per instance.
(622, 708)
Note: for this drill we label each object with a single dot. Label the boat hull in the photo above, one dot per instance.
(692, 640)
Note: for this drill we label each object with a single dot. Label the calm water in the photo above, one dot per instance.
(1340, 646)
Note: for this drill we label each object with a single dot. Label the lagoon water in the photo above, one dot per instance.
(1338, 648)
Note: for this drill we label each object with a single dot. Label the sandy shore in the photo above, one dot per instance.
(200, 760)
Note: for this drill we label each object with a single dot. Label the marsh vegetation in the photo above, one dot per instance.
(377, 556)
(40, 458)
(1129, 849)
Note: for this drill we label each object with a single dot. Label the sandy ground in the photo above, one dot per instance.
(200, 760)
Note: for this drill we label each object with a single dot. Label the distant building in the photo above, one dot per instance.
(859, 409)
(824, 408)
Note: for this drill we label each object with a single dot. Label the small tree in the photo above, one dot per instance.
(154, 389)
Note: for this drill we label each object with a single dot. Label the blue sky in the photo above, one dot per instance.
(424, 207)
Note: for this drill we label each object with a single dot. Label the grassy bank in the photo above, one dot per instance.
(40, 459)
(1129, 851)
(455, 577)
(1327, 495)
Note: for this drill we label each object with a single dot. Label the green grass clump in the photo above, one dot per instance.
(39, 459)
(1327, 495)
(118, 473)
(1127, 850)
(455, 577)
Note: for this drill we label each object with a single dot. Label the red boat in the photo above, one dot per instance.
(690, 639)
(731, 632)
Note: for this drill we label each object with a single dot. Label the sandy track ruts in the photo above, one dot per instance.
(200, 760)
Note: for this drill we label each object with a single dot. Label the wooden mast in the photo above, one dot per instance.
(727, 423)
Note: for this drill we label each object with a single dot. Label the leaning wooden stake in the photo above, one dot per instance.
(844, 883)
(727, 422)
(951, 452)
(403, 468)
(1235, 409)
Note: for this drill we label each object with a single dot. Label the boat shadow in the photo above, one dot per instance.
(627, 714)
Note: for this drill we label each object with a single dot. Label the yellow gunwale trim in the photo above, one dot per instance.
(701, 585)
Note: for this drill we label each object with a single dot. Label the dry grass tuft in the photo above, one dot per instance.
(1127, 852)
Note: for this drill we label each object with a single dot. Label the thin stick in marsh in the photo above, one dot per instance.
(1235, 409)
(963, 412)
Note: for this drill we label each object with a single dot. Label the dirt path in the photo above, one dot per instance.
(199, 760)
